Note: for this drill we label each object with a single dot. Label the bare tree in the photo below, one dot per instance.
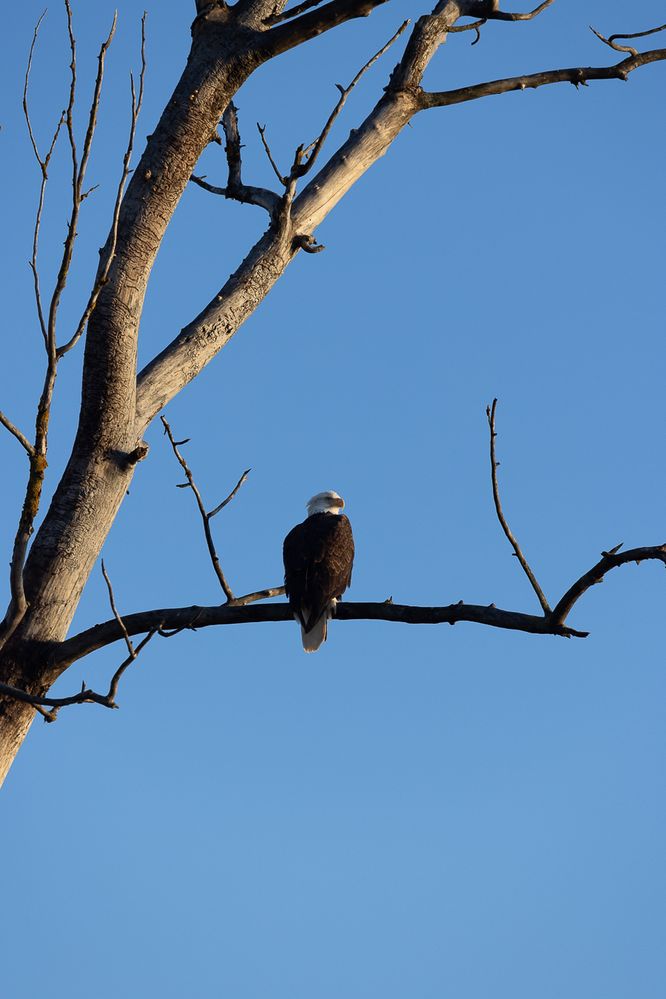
(229, 43)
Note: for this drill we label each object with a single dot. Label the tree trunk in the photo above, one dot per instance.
(100, 467)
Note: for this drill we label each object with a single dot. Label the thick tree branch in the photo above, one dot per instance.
(181, 618)
(287, 15)
(301, 29)
(195, 617)
(578, 75)
(306, 158)
(211, 330)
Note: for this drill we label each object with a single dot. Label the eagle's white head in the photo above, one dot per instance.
(328, 502)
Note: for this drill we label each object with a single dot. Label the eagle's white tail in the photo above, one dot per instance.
(316, 636)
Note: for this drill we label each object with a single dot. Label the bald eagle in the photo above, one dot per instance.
(318, 558)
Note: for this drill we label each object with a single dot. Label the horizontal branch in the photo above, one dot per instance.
(239, 612)
(195, 617)
(501, 15)
(577, 75)
(247, 195)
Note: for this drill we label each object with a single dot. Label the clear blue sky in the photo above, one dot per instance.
(416, 811)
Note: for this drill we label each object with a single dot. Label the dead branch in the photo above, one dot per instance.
(18, 604)
(305, 159)
(20, 437)
(609, 560)
(626, 48)
(267, 150)
(43, 166)
(236, 190)
(231, 495)
(201, 339)
(85, 695)
(577, 75)
(251, 598)
(288, 15)
(109, 252)
(168, 618)
(78, 170)
(494, 465)
(300, 29)
(474, 26)
(205, 516)
(121, 623)
(494, 14)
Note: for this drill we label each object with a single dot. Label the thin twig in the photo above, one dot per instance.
(267, 148)
(303, 166)
(121, 624)
(251, 598)
(115, 679)
(231, 495)
(43, 166)
(490, 413)
(38, 460)
(78, 170)
(109, 254)
(25, 87)
(205, 516)
(626, 48)
(20, 437)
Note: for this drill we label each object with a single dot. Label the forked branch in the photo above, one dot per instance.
(626, 48)
(236, 190)
(206, 516)
(84, 696)
(238, 611)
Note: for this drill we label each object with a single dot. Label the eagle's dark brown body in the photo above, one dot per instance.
(318, 559)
